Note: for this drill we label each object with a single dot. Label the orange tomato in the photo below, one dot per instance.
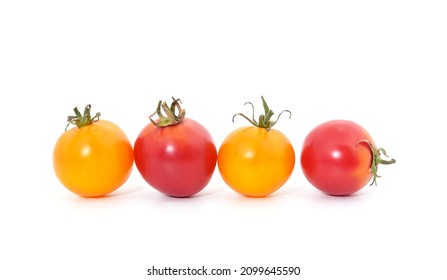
(93, 160)
(256, 162)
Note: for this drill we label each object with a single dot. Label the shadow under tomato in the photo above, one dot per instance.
(117, 193)
(285, 192)
(206, 192)
(163, 197)
(279, 193)
(125, 191)
(357, 196)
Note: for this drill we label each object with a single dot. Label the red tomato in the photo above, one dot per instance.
(339, 157)
(177, 159)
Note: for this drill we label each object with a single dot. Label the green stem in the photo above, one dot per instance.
(264, 119)
(376, 160)
(174, 113)
(81, 120)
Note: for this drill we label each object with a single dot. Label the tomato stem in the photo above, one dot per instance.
(376, 160)
(174, 113)
(84, 119)
(264, 119)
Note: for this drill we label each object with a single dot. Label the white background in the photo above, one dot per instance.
(379, 63)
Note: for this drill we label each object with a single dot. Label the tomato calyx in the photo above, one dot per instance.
(174, 113)
(84, 119)
(376, 159)
(264, 119)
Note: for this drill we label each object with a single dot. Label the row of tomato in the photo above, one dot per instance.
(177, 156)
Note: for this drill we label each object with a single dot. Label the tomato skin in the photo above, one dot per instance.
(334, 160)
(255, 162)
(177, 160)
(93, 160)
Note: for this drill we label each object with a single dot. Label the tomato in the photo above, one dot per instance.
(339, 157)
(175, 155)
(93, 159)
(256, 161)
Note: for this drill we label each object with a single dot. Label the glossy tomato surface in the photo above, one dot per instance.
(256, 162)
(177, 160)
(334, 160)
(93, 160)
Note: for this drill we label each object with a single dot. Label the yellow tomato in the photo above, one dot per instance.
(93, 160)
(255, 161)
